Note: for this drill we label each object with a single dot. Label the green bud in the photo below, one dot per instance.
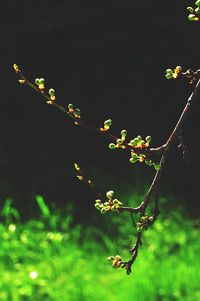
(142, 142)
(77, 111)
(169, 71)
(111, 258)
(110, 194)
(197, 3)
(70, 106)
(52, 92)
(190, 9)
(37, 81)
(117, 257)
(168, 76)
(133, 160)
(124, 133)
(148, 139)
(42, 80)
(97, 206)
(133, 142)
(156, 166)
(98, 201)
(149, 162)
(112, 146)
(197, 10)
(103, 211)
(115, 202)
(119, 141)
(108, 122)
(139, 138)
(191, 17)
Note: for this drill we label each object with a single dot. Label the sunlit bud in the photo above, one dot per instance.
(110, 258)
(190, 9)
(77, 111)
(133, 160)
(103, 211)
(149, 162)
(16, 68)
(37, 81)
(21, 81)
(133, 142)
(139, 138)
(148, 139)
(115, 202)
(178, 68)
(169, 76)
(142, 142)
(124, 133)
(108, 123)
(97, 206)
(157, 166)
(191, 17)
(151, 218)
(52, 92)
(117, 257)
(110, 194)
(42, 80)
(197, 10)
(98, 201)
(70, 106)
(119, 141)
(169, 71)
(197, 3)
(112, 146)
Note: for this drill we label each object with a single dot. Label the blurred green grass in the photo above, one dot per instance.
(52, 259)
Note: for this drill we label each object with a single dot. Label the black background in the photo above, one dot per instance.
(109, 59)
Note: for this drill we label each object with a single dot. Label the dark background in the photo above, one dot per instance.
(109, 59)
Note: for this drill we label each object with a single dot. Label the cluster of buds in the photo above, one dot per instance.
(52, 97)
(74, 112)
(144, 222)
(143, 158)
(40, 83)
(138, 142)
(118, 263)
(120, 141)
(173, 73)
(194, 12)
(107, 125)
(110, 205)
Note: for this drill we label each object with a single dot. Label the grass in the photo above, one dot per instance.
(49, 259)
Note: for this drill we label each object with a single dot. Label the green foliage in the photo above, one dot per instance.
(64, 262)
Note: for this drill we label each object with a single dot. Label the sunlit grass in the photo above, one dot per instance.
(49, 259)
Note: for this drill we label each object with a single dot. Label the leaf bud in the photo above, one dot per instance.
(70, 106)
(190, 9)
(110, 194)
(115, 202)
(98, 201)
(133, 160)
(124, 133)
(42, 80)
(148, 139)
(119, 141)
(37, 81)
(197, 3)
(112, 146)
(169, 76)
(191, 17)
(97, 206)
(52, 92)
(103, 211)
(108, 123)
